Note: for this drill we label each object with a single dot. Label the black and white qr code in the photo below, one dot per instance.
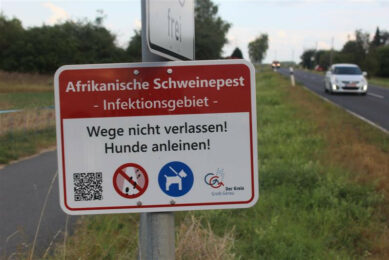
(88, 186)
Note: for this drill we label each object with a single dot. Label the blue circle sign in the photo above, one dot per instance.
(175, 179)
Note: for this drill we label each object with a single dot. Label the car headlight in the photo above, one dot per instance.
(363, 83)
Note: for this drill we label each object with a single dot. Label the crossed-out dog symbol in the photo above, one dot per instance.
(177, 179)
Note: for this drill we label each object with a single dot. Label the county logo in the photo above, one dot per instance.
(215, 180)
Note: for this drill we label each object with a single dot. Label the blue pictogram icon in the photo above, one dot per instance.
(175, 179)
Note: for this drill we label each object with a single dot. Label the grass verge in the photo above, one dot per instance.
(23, 82)
(308, 208)
(21, 91)
(22, 143)
(383, 82)
(26, 133)
(33, 119)
(30, 130)
(26, 100)
(313, 204)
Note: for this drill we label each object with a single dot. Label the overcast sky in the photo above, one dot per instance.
(292, 25)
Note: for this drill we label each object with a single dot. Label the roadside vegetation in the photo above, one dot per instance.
(43, 49)
(383, 82)
(323, 193)
(32, 128)
(370, 53)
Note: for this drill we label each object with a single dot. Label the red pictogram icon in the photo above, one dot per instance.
(130, 180)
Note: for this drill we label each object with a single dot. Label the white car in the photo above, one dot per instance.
(345, 78)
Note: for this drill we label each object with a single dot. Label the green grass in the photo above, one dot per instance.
(29, 131)
(26, 100)
(382, 82)
(21, 91)
(307, 209)
(21, 143)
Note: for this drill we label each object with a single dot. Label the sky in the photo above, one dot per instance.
(292, 25)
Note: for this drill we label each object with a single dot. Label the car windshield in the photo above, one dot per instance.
(347, 71)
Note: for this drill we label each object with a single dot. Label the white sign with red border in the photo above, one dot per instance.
(152, 137)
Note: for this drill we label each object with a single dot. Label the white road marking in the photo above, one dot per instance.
(348, 111)
(375, 95)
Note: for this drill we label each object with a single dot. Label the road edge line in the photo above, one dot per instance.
(349, 111)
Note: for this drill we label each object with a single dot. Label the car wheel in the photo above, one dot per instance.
(363, 94)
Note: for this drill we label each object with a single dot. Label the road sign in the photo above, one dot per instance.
(170, 28)
(130, 181)
(154, 137)
(175, 179)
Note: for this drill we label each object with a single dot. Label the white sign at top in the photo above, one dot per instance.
(170, 28)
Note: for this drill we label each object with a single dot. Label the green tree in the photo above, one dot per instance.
(355, 51)
(383, 61)
(258, 47)
(237, 53)
(134, 49)
(385, 37)
(210, 31)
(323, 58)
(377, 41)
(361, 51)
(11, 43)
(43, 49)
(308, 59)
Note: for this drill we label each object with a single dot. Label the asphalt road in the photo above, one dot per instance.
(373, 108)
(23, 190)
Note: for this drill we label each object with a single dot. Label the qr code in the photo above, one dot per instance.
(88, 186)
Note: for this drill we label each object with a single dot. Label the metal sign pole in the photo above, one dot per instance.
(156, 230)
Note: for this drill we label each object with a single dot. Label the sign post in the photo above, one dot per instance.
(156, 230)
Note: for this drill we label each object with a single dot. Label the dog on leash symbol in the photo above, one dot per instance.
(177, 179)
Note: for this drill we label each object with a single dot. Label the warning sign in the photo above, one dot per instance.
(156, 136)
(130, 180)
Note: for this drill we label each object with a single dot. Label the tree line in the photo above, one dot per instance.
(372, 55)
(45, 48)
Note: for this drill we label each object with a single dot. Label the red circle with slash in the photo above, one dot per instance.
(130, 180)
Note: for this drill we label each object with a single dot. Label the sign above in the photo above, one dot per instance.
(170, 28)
(150, 137)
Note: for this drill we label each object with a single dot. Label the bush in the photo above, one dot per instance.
(383, 61)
